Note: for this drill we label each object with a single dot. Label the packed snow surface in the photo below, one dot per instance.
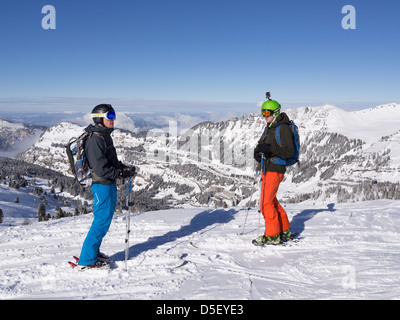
(345, 251)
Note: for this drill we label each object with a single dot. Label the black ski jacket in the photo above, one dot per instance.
(102, 156)
(287, 148)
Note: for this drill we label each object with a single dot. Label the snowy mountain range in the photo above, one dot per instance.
(345, 156)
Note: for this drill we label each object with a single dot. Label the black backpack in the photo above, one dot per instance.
(78, 161)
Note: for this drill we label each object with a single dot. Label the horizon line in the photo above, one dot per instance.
(26, 104)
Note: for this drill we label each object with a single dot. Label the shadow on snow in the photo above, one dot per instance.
(199, 222)
(298, 222)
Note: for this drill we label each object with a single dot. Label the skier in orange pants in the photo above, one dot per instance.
(276, 220)
(277, 226)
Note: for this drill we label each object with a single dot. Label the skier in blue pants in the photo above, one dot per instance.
(105, 199)
(105, 169)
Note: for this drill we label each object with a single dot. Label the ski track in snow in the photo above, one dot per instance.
(346, 251)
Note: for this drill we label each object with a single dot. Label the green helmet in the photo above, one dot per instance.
(271, 105)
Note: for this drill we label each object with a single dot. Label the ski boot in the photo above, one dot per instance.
(286, 235)
(104, 258)
(266, 240)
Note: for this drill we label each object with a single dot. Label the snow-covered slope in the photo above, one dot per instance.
(345, 251)
(368, 125)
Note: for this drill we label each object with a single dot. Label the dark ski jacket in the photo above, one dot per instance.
(101, 154)
(287, 148)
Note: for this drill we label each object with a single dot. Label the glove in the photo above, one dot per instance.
(128, 172)
(263, 148)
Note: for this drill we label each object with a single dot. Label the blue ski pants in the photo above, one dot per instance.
(104, 202)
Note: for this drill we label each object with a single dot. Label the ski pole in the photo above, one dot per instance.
(258, 204)
(128, 220)
(259, 201)
(249, 203)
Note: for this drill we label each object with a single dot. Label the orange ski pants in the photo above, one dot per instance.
(275, 216)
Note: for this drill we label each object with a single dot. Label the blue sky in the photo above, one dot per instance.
(166, 54)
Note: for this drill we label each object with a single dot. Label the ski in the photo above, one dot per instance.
(292, 239)
(101, 257)
(101, 265)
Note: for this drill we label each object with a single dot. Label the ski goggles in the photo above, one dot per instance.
(267, 113)
(110, 115)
